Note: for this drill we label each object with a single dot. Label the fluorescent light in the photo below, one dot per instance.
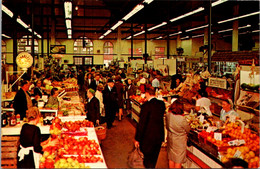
(107, 32)
(69, 36)
(139, 33)
(68, 23)
(200, 27)
(157, 26)
(7, 11)
(68, 9)
(35, 33)
(22, 23)
(177, 33)
(218, 2)
(134, 11)
(69, 31)
(187, 14)
(129, 37)
(159, 37)
(247, 26)
(101, 37)
(256, 31)
(147, 1)
(39, 36)
(186, 37)
(196, 36)
(30, 30)
(116, 25)
(4, 35)
(239, 17)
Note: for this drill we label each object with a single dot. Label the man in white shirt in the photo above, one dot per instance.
(203, 104)
(156, 83)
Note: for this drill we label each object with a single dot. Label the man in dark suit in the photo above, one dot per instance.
(150, 129)
(92, 107)
(22, 100)
(110, 101)
(95, 82)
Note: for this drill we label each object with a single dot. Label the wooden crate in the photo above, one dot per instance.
(9, 146)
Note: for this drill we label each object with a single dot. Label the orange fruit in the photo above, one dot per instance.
(251, 154)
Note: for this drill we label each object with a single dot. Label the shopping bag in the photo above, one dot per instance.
(135, 159)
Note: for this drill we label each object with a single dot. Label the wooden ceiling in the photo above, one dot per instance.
(94, 17)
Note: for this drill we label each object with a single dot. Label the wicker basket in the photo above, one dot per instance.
(101, 132)
(9, 151)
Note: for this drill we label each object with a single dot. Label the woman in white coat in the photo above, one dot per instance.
(99, 96)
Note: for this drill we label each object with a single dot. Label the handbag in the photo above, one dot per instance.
(135, 159)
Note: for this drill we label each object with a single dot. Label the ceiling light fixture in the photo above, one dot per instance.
(129, 37)
(186, 37)
(101, 37)
(117, 25)
(218, 2)
(256, 31)
(187, 14)
(4, 35)
(7, 11)
(68, 10)
(160, 37)
(69, 36)
(22, 23)
(196, 36)
(136, 9)
(200, 27)
(239, 17)
(69, 31)
(247, 26)
(147, 1)
(177, 33)
(107, 32)
(157, 26)
(68, 23)
(39, 36)
(139, 33)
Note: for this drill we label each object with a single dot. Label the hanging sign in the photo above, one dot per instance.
(217, 82)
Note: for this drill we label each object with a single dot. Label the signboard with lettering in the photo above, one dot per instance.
(217, 82)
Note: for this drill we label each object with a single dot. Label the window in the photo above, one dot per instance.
(3, 52)
(159, 52)
(83, 60)
(78, 60)
(24, 44)
(87, 48)
(108, 52)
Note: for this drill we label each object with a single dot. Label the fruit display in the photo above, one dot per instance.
(138, 98)
(69, 163)
(48, 158)
(233, 144)
(72, 108)
(219, 93)
(74, 150)
(70, 126)
(73, 145)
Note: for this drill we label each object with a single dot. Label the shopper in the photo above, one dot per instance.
(150, 129)
(120, 93)
(37, 90)
(203, 103)
(53, 99)
(130, 90)
(227, 112)
(95, 82)
(92, 107)
(142, 83)
(22, 100)
(88, 80)
(156, 82)
(177, 130)
(30, 140)
(99, 96)
(47, 80)
(110, 102)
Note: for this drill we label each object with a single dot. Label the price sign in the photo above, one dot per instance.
(218, 136)
(237, 154)
(218, 83)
